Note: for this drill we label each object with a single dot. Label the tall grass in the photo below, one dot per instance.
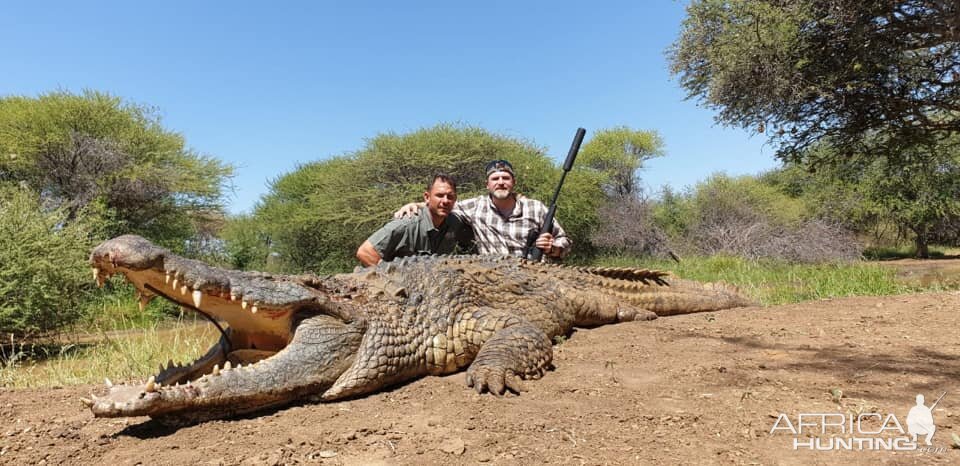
(777, 282)
(126, 352)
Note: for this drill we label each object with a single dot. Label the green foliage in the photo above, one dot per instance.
(44, 276)
(94, 152)
(774, 282)
(746, 197)
(882, 253)
(914, 195)
(873, 77)
(316, 216)
(617, 154)
(673, 212)
(752, 217)
(246, 242)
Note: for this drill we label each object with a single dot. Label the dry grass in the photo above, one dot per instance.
(118, 355)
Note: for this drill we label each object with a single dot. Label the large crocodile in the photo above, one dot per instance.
(333, 337)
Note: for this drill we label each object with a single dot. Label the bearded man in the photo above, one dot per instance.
(502, 219)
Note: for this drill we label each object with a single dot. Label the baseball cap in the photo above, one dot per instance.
(499, 166)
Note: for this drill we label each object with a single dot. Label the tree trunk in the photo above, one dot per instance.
(923, 249)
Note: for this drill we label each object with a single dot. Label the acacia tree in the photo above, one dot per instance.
(96, 153)
(872, 77)
(617, 154)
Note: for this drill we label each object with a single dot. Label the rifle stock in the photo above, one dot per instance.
(532, 251)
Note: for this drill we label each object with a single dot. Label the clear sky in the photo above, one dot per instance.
(266, 86)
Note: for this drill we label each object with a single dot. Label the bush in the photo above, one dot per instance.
(747, 218)
(44, 276)
(629, 227)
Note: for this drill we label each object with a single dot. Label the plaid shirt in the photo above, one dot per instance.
(496, 234)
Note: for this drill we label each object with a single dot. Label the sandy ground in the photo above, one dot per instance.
(702, 388)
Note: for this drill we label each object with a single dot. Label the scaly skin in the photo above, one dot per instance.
(348, 335)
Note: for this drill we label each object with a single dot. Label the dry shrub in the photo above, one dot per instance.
(809, 241)
(743, 217)
(628, 227)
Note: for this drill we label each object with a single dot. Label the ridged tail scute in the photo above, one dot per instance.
(627, 273)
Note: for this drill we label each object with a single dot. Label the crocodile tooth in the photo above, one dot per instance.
(96, 273)
(86, 401)
(226, 366)
(183, 289)
(243, 304)
(108, 382)
(166, 278)
(143, 300)
(175, 281)
(216, 369)
(253, 309)
(197, 297)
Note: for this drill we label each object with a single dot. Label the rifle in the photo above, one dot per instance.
(935, 403)
(532, 252)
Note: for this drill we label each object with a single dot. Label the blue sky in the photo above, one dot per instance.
(266, 86)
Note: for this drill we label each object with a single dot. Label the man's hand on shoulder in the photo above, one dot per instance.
(409, 210)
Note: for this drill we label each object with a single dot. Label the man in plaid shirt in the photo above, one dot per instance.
(502, 219)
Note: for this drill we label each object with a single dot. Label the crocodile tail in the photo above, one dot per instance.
(686, 296)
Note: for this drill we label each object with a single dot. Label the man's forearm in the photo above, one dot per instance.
(368, 255)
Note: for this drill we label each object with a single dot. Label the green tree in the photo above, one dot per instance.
(94, 152)
(618, 154)
(917, 194)
(871, 77)
(44, 275)
(247, 243)
(317, 215)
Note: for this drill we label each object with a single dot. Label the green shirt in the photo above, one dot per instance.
(416, 235)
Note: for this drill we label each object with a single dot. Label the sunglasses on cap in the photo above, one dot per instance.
(499, 166)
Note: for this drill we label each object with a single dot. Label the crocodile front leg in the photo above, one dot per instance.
(513, 348)
(322, 348)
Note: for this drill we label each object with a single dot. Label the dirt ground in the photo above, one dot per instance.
(701, 388)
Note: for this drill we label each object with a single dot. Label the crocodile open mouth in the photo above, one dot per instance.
(256, 313)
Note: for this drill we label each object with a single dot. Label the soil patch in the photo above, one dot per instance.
(701, 388)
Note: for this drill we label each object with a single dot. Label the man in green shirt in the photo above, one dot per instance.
(434, 231)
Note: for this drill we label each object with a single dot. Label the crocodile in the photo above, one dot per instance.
(326, 338)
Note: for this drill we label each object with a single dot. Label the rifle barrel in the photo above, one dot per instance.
(533, 252)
